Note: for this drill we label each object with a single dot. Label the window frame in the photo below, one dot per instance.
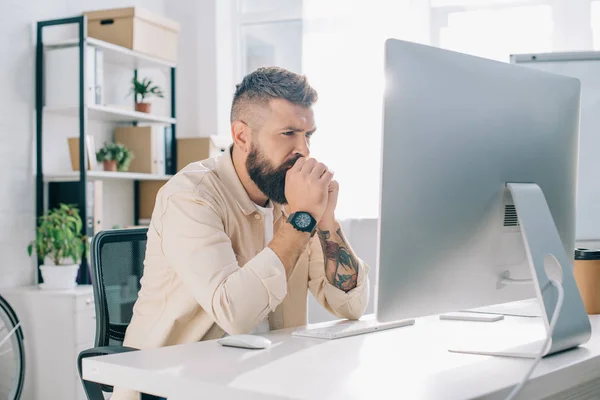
(242, 19)
(571, 18)
(439, 15)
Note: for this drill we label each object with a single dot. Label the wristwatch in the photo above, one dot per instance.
(303, 222)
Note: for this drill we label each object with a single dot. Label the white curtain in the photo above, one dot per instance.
(343, 44)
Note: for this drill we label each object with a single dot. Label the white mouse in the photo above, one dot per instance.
(245, 341)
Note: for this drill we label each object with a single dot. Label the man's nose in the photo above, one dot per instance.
(303, 147)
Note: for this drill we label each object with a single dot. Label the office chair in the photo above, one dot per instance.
(117, 259)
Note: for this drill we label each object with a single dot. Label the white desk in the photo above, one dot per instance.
(405, 363)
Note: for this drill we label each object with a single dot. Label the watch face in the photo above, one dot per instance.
(303, 220)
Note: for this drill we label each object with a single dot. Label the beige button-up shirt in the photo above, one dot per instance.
(207, 269)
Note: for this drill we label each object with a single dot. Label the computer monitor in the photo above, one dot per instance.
(458, 131)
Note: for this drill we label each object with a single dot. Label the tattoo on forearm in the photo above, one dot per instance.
(341, 266)
(323, 235)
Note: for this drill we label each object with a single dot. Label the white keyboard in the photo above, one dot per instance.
(351, 328)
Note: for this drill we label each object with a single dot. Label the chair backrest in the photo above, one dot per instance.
(117, 260)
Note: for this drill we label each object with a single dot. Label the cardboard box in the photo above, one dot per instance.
(194, 149)
(148, 146)
(136, 29)
(147, 197)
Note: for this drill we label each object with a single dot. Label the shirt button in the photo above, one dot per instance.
(257, 216)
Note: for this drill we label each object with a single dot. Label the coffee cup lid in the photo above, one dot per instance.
(587, 254)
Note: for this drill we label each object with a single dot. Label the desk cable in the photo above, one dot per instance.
(559, 304)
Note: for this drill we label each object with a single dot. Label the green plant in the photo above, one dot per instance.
(117, 152)
(58, 235)
(142, 89)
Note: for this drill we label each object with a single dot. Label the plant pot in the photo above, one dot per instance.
(110, 165)
(143, 107)
(59, 277)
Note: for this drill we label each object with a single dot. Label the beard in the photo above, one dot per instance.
(269, 179)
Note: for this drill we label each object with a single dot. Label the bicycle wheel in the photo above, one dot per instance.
(12, 353)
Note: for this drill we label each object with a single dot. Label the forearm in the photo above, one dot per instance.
(341, 264)
(246, 295)
(289, 243)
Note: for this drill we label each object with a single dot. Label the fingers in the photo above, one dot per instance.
(319, 170)
(298, 164)
(334, 186)
(327, 177)
(316, 170)
(308, 166)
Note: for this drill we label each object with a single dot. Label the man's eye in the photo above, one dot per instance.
(309, 134)
(290, 133)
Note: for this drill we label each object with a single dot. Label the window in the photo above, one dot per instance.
(496, 33)
(338, 44)
(595, 21)
(262, 7)
(343, 56)
(272, 43)
(270, 34)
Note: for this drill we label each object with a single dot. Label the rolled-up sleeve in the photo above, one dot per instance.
(195, 244)
(351, 304)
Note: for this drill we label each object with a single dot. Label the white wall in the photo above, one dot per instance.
(205, 72)
(17, 67)
(227, 45)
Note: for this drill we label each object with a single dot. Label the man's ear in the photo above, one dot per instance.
(242, 135)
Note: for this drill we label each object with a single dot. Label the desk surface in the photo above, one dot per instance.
(411, 362)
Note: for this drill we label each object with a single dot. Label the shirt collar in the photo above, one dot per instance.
(231, 180)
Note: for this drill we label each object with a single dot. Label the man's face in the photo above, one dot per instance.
(284, 136)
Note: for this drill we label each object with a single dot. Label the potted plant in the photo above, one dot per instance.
(143, 89)
(60, 245)
(115, 157)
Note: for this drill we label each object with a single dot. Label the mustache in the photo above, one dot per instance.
(289, 164)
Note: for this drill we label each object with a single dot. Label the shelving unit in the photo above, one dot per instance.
(84, 112)
(73, 176)
(115, 54)
(111, 114)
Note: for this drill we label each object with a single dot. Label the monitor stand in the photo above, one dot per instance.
(544, 248)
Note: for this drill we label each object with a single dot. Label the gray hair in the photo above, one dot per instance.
(268, 83)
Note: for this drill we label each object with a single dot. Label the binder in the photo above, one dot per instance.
(170, 167)
(158, 140)
(99, 76)
(62, 77)
(90, 150)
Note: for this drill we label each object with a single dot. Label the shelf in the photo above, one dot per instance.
(73, 176)
(116, 55)
(104, 113)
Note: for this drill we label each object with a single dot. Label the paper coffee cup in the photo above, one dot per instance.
(587, 275)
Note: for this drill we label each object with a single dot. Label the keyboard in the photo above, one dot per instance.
(351, 328)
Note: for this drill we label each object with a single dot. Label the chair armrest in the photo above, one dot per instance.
(94, 390)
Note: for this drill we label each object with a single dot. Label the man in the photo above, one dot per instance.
(232, 246)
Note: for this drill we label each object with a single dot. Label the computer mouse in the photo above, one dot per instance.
(245, 341)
